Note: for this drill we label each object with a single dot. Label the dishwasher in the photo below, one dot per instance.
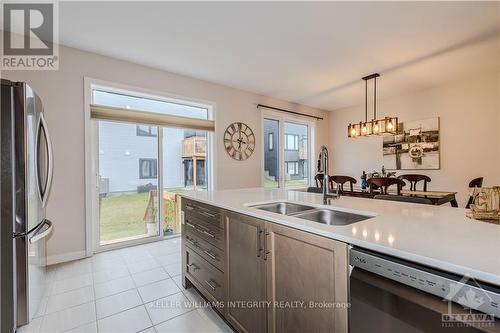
(388, 294)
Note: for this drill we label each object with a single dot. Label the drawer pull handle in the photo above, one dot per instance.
(192, 242)
(189, 207)
(208, 253)
(212, 286)
(198, 228)
(208, 214)
(207, 233)
(194, 267)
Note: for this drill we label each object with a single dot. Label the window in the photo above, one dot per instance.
(287, 149)
(292, 168)
(148, 168)
(145, 130)
(291, 142)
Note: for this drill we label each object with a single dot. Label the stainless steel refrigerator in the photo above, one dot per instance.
(26, 177)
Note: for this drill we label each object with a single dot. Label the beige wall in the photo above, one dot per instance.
(470, 142)
(62, 93)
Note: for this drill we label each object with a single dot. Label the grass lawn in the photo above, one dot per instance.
(122, 216)
(272, 184)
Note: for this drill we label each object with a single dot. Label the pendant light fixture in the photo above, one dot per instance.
(388, 125)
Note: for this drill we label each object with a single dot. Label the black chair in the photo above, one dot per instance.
(476, 182)
(341, 180)
(319, 179)
(402, 198)
(314, 190)
(413, 179)
(385, 182)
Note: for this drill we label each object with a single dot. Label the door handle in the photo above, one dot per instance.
(259, 248)
(43, 231)
(266, 252)
(194, 267)
(44, 195)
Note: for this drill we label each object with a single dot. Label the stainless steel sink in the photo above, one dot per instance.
(331, 217)
(284, 208)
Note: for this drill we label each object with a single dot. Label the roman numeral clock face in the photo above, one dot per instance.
(239, 141)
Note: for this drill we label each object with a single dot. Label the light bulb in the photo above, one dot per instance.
(353, 132)
(375, 128)
(363, 129)
(389, 126)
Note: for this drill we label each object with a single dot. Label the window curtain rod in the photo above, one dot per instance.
(149, 118)
(288, 111)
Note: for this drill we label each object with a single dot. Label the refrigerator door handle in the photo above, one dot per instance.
(42, 231)
(50, 161)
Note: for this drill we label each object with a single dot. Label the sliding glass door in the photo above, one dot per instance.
(287, 149)
(141, 169)
(128, 181)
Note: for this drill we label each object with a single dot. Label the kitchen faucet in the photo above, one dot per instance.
(323, 167)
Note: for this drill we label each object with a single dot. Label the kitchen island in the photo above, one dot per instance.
(437, 237)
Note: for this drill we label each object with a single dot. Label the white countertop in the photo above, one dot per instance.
(437, 236)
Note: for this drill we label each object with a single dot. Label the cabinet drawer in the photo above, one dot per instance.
(209, 214)
(210, 253)
(205, 231)
(205, 274)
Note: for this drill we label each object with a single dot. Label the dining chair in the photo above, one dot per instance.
(476, 182)
(402, 198)
(413, 179)
(384, 183)
(319, 179)
(341, 180)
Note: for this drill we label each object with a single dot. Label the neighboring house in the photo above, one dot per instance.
(128, 157)
(295, 145)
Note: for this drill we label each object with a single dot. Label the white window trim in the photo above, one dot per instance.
(92, 152)
(311, 134)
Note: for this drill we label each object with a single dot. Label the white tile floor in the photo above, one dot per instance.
(136, 289)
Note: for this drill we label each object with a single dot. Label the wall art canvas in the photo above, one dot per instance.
(415, 146)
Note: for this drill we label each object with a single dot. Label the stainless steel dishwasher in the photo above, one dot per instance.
(388, 294)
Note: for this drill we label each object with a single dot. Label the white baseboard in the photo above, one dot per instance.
(59, 258)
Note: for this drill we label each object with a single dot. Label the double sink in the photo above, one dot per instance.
(320, 215)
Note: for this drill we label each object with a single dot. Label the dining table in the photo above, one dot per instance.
(436, 197)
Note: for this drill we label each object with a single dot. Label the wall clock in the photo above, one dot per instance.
(239, 141)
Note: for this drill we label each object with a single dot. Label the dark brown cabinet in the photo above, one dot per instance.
(203, 250)
(307, 277)
(246, 273)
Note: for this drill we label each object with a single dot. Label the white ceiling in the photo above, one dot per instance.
(310, 53)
